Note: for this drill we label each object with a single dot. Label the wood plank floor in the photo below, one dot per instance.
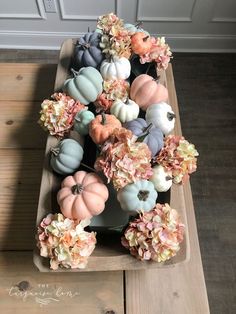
(206, 90)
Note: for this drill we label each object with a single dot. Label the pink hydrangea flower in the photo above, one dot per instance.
(57, 115)
(65, 242)
(155, 235)
(179, 157)
(123, 160)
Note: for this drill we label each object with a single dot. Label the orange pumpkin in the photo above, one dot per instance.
(141, 43)
(146, 91)
(102, 127)
(82, 195)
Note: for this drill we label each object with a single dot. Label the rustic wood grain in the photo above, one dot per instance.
(26, 81)
(19, 127)
(180, 289)
(20, 175)
(99, 293)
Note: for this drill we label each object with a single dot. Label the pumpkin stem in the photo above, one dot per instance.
(146, 131)
(138, 24)
(156, 79)
(77, 189)
(85, 46)
(86, 166)
(145, 38)
(127, 101)
(55, 151)
(88, 29)
(75, 73)
(170, 116)
(143, 195)
(168, 178)
(104, 120)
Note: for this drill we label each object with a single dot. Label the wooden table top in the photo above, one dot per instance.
(179, 289)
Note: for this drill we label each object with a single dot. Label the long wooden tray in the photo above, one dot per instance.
(109, 254)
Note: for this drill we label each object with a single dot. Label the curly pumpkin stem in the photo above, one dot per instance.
(138, 24)
(143, 195)
(104, 120)
(55, 151)
(77, 189)
(170, 116)
(75, 73)
(85, 45)
(146, 131)
(145, 38)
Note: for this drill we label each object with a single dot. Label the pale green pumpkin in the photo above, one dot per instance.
(86, 86)
(137, 196)
(82, 120)
(66, 156)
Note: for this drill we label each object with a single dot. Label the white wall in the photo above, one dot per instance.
(189, 25)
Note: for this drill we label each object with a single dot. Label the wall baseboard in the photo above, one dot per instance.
(178, 43)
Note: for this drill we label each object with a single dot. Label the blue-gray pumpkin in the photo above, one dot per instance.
(137, 196)
(148, 134)
(82, 120)
(66, 156)
(88, 52)
(86, 86)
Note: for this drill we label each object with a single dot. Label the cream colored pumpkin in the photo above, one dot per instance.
(161, 179)
(125, 111)
(116, 68)
(162, 116)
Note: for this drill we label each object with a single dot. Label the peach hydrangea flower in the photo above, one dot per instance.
(159, 53)
(115, 40)
(65, 242)
(155, 235)
(179, 157)
(112, 90)
(57, 114)
(123, 160)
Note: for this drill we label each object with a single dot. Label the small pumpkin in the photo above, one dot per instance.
(125, 111)
(132, 29)
(86, 86)
(88, 51)
(102, 127)
(82, 195)
(66, 156)
(148, 134)
(140, 195)
(82, 120)
(145, 91)
(162, 116)
(141, 43)
(161, 179)
(116, 68)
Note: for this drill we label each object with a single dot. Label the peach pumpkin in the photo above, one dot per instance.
(82, 195)
(145, 91)
(102, 127)
(141, 43)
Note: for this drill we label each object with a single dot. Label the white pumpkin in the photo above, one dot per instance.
(116, 68)
(125, 111)
(161, 179)
(161, 116)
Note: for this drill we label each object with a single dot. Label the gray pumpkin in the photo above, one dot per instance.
(66, 156)
(148, 134)
(88, 51)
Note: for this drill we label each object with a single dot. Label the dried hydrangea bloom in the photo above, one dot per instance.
(116, 40)
(155, 235)
(160, 53)
(123, 160)
(65, 242)
(57, 115)
(112, 90)
(179, 157)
